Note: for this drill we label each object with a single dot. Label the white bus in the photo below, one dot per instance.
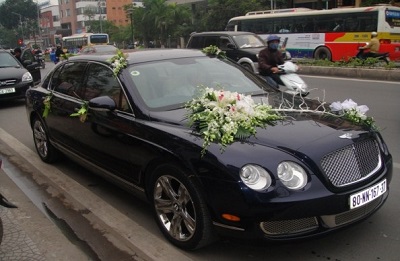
(333, 34)
(75, 42)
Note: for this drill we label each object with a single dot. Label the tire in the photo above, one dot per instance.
(323, 53)
(43, 65)
(46, 151)
(179, 209)
(247, 66)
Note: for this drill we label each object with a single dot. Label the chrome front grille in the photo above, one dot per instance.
(6, 83)
(283, 227)
(352, 163)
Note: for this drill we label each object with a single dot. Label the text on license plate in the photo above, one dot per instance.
(7, 90)
(367, 195)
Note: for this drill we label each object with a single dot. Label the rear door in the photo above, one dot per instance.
(29, 62)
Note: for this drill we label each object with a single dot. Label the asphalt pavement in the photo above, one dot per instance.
(30, 234)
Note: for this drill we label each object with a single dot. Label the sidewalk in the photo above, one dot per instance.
(28, 234)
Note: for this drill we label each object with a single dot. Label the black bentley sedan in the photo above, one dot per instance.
(210, 146)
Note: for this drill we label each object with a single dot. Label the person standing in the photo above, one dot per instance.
(17, 54)
(59, 52)
(268, 60)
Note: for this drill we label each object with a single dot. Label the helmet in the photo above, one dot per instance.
(273, 37)
(374, 34)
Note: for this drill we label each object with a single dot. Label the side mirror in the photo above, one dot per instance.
(102, 103)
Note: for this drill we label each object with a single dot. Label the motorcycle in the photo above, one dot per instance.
(289, 79)
(40, 60)
(5, 203)
(362, 55)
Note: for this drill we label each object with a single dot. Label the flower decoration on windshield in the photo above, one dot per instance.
(118, 62)
(223, 117)
(353, 112)
(47, 104)
(82, 112)
(214, 50)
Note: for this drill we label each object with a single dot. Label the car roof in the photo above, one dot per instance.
(226, 33)
(142, 55)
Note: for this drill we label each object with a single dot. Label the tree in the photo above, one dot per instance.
(13, 12)
(220, 11)
(158, 21)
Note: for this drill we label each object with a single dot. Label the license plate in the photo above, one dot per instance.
(7, 90)
(367, 195)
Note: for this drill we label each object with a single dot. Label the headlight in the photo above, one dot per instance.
(255, 177)
(27, 77)
(292, 175)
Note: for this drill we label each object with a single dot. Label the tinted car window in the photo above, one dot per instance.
(102, 82)
(197, 42)
(6, 60)
(68, 79)
(27, 55)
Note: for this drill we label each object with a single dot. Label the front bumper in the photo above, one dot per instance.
(302, 216)
(13, 92)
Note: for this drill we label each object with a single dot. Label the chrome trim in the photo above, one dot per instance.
(228, 227)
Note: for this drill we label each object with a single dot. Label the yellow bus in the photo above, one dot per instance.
(75, 42)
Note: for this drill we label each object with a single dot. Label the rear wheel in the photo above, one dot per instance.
(323, 53)
(43, 146)
(179, 208)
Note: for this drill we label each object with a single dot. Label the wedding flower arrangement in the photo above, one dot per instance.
(214, 50)
(223, 116)
(118, 62)
(47, 104)
(82, 112)
(353, 112)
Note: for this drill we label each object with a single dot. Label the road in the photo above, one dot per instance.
(378, 238)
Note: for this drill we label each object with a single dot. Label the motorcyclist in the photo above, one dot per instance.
(268, 60)
(373, 46)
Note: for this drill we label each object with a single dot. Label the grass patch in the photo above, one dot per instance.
(370, 62)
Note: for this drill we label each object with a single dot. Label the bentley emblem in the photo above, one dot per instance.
(346, 136)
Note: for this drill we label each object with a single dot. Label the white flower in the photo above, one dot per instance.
(349, 104)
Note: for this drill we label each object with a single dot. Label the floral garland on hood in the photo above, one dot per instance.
(225, 117)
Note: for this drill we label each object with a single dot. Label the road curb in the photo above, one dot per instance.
(359, 73)
(118, 230)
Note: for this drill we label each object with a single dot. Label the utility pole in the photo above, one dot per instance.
(20, 23)
(129, 12)
(101, 25)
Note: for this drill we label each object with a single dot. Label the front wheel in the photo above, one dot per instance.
(179, 208)
(247, 66)
(43, 146)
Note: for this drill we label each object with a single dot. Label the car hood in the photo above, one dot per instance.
(299, 131)
(12, 73)
(253, 50)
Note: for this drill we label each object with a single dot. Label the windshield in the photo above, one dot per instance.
(7, 60)
(248, 41)
(176, 81)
